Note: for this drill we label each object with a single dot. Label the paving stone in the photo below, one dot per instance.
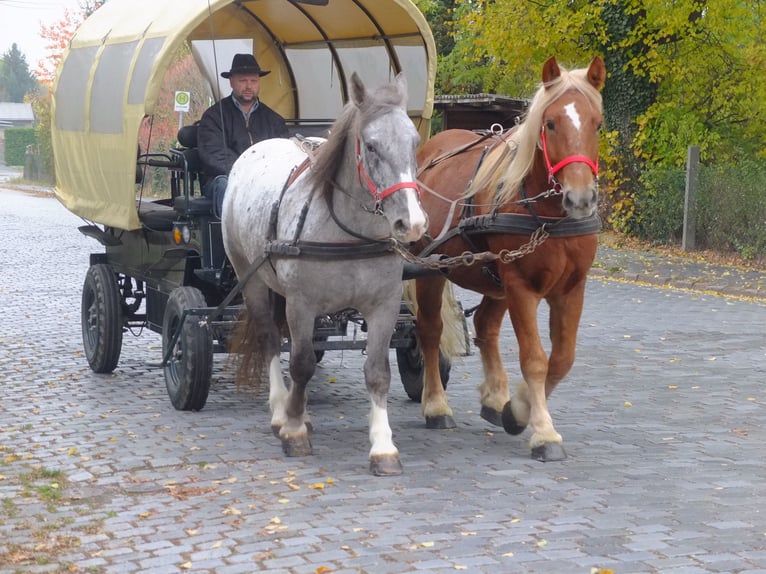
(662, 417)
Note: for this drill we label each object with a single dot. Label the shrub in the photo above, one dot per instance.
(16, 142)
(730, 208)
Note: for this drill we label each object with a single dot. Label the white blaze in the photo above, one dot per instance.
(571, 111)
(415, 212)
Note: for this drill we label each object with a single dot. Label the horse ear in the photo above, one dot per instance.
(551, 70)
(358, 91)
(597, 73)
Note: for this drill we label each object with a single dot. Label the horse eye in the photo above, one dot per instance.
(369, 147)
(550, 125)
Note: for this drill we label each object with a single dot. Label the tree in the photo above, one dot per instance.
(16, 81)
(688, 72)
(58, 34)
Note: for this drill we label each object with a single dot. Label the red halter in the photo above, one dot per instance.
(364, 179)
(553, 169)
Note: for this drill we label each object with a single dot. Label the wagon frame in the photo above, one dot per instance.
(163, 266)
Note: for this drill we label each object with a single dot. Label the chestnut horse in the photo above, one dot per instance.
(523, 207)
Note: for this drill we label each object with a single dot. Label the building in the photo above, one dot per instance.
(479, 111)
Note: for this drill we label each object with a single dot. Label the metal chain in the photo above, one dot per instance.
(468, 258)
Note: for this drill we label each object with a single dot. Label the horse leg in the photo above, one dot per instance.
(434, 404)
(494, 390)
(529, 405)
(261, 345)
(565, 312)
(384, 456)
(295, 432)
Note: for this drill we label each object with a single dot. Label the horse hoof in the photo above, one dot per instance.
(509, 421)
(385, 465)
(275, 429)
(549, 452)
(491, 416)
(440, 422)
(297, 446)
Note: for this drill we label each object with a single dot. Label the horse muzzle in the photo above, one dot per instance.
(412, 223)
(579, 204)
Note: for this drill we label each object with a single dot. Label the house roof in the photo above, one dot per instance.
(15, 112)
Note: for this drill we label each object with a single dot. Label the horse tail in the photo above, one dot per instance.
(254, 342)
(454, 339)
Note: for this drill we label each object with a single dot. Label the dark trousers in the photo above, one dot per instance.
(215, 189)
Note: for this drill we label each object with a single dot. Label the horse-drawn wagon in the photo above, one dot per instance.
(163, 263)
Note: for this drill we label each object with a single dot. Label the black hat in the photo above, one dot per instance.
(244, 64)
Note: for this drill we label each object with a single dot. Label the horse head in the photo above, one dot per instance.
(386, 142)
(569, 133)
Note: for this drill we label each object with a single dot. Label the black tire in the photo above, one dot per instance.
(101, 318)
(410, 364)
(190, 367)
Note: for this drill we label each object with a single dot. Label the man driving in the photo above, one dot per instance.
(233, 124)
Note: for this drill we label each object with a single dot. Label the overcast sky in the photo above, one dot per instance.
(20, 24)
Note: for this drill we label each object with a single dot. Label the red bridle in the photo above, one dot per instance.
(554, 169)
(364, 179)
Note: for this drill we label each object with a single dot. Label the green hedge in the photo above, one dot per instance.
(16, 142)
(730, 201)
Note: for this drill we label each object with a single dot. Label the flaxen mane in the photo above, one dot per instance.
(349, 124)
(508, 165)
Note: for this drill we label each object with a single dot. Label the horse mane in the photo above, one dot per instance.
(508, 165)
(350, 121)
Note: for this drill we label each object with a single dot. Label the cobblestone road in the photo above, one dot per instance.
(663, 418)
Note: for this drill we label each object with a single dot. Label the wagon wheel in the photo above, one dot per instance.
(101, 318)
(190, 367)
(410, 363)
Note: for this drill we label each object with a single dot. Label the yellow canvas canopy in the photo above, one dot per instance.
(110, 76)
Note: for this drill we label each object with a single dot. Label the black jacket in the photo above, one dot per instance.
(218, 158)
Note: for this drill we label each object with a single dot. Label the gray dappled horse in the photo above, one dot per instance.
(322, 243)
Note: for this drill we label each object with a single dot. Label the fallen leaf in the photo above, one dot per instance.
(323, 570)
(186, 566)
(428, 544)
(508, 554)
(317, 486)
(627, 404)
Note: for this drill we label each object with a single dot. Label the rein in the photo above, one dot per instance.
(364, 248)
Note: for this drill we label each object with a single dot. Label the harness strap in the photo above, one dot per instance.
(321, 250)
(344, 227)
(517, 224)
(454, 152)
